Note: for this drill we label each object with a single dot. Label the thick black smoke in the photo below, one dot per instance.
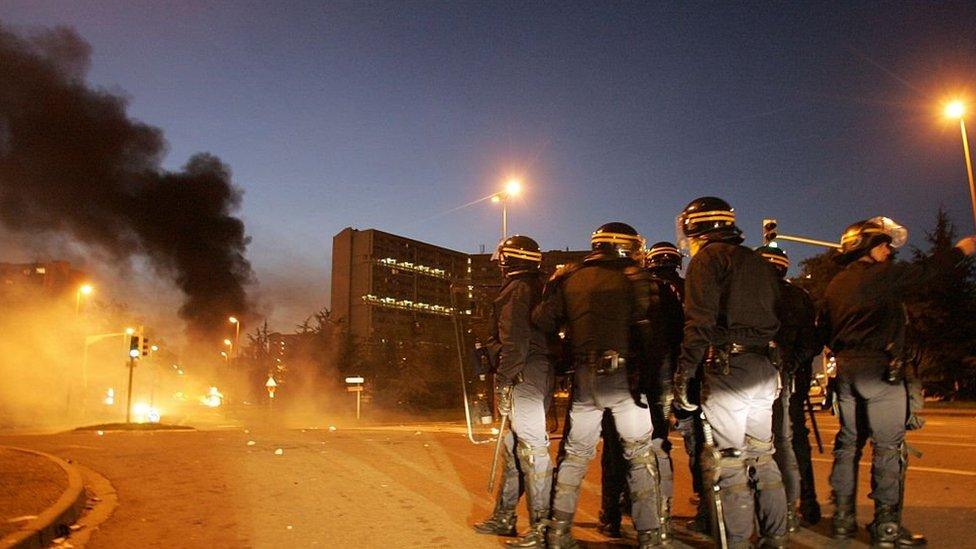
(73, 163)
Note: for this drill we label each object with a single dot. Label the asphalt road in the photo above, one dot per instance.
(406, 485)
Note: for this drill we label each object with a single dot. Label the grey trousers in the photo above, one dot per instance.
(739, 408)
(592, 395)
(783, 442)
(869, 406)
(527, 463)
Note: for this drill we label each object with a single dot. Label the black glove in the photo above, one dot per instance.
(682, 399)
(503, 391)
(504, 399)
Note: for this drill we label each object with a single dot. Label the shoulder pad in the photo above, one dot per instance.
(563, 272)
(797, 287)
(635, 273)
(559, 277)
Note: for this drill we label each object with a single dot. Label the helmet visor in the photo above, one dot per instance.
(497, 254)
(897, 233)
(682, 241)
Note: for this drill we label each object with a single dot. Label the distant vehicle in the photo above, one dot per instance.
(821, 376)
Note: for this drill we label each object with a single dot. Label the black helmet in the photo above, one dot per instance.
(619, 239)
(663, 254)
(775, 256)
(707, 215)
(518, 254)
(860, 237)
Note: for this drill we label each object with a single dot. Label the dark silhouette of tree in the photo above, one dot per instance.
(816, 272)
(943, 315)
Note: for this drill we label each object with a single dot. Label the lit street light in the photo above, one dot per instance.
(83, 290)
(957, 109)
(237, 332)
(512, 188)
(230, 349)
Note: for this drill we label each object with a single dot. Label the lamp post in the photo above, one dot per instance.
(512, 188)
(229, 351)
(84, 289)
(237, 332)
(957, 109)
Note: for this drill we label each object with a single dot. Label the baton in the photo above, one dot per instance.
(813, 423)
(498, 451)
(718, 517)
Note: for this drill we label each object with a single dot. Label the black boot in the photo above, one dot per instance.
(792, 521)
(649, 538)
(500, 523)
(701, 523)
(845, 523)
(559, 535)
(609, 524)
(887, 531)
(665, 525)
(810, 511)
(536, 536)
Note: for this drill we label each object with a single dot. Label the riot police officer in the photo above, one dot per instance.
(666, 318)
(730, 317)
(600, 303)
(797, 342)
(862, 317)
(524, 384)
(663, 261)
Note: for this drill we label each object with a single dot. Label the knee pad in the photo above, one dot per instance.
(638, 446)
(528, 454)
(756, 446)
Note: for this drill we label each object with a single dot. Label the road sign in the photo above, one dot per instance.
(355, 389)
(356, 379)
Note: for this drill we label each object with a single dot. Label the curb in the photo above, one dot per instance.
(53, 522)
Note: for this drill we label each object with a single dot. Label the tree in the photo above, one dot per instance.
(943, 315)
(816, 272)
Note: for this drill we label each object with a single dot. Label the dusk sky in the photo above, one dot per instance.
(388, 115)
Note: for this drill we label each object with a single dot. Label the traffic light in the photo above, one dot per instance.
(134, 346)
(145, 346)
(769, 230)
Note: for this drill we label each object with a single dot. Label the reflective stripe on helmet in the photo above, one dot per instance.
(516, 253)
(615, 238)
(777, 260)
(854, 235)
(713, 215)
(662, 251)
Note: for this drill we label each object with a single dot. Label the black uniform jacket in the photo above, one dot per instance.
(862, 308)
(596, 303)
(797, 338)
(513, 337)
(730, 297)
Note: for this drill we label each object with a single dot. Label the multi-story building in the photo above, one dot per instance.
(387, 287)
(38, 280)
(391, 288)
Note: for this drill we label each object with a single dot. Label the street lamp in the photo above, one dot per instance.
(957, 109)
(512, 188)
(237, 332)
(83, 290)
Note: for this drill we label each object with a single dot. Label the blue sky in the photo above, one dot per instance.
(389, 114)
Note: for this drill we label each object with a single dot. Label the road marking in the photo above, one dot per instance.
(921, 469)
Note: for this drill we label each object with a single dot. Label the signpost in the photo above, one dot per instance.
(271, 385)
(356, 386)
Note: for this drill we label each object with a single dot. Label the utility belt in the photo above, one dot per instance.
(718, 358)
(602, 363)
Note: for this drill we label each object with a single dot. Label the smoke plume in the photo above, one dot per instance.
(73, 163)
